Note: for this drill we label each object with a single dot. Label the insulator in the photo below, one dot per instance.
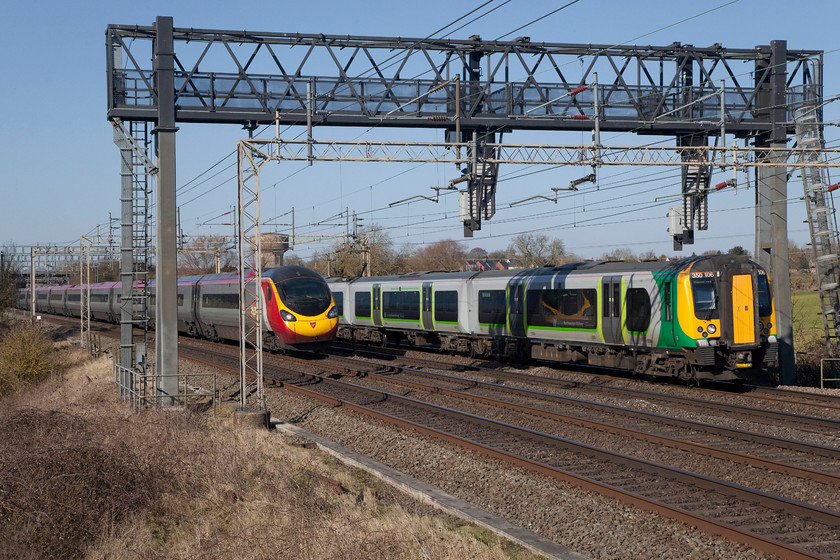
(577, 90)
(834, 187)
(579, 117)
(721, 185)
(437, 117)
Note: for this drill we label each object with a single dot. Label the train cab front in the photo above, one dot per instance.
(300, 308)
(729, 313)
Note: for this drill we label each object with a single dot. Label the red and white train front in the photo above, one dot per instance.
(299, 307)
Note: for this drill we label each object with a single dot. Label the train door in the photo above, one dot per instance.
(516, 308)
(194, 303)
(426, 315)
(611, 309)
(376, 305)
(739, 313)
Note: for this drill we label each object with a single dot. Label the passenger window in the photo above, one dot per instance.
(563, 308)
(491, 307)
(446, 307)
(363, 305)
(401, 305)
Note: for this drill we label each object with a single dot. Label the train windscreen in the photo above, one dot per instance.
(704, 290)
(765, 301)
(306, 296)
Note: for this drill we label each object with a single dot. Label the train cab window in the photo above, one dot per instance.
(765, 302)
(363, 305)
(638, 310)
(446, 307)
(704, 292)
(491, 307)
(338, 298)
(563, 308)
(401, 305)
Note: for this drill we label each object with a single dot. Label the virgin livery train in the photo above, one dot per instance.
(708, 317)
(299, 312)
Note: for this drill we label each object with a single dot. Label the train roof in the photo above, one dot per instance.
(286, 272)
(594, 267)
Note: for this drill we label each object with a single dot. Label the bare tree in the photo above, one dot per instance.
(477, 253)
(204, 253)
(623, 254)
(293, 259)
(447, 255)
(536, 249)
(9, 270)
(350, 258)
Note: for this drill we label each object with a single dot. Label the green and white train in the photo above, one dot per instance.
(708, 317)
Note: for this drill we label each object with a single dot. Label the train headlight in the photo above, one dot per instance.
(712, 329)
(769, 326)
(333, 313)
(760, 326)
(286, 316)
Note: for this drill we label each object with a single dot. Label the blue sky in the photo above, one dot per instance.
(60, 168)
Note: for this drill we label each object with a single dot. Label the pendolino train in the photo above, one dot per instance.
(298, 312)
(708, 317)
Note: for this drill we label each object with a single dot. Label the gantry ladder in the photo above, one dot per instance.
(822, 222)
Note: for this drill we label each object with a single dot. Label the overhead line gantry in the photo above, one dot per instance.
(475, 91)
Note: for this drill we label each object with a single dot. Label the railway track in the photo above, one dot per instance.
(773, 523)
(758, 393)
(768, 522)
(805, 423)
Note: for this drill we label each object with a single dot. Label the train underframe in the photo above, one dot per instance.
(710, 363)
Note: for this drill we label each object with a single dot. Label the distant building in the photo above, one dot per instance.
(491, 264)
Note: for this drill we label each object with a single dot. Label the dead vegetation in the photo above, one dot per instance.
(85, 477)
(27, 357)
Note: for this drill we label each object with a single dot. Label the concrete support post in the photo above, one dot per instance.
(166, 346)
(781, 272)
(763, 203)
(771, 232)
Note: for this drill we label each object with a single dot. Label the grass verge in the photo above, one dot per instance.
(85, 477)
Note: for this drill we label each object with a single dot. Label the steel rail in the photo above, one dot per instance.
(775, 441)
(724, 529)
(689, 446)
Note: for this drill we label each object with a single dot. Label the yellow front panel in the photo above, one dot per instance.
(743, 315)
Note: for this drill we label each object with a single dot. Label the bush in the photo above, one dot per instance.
(26, 357)
(63, 484)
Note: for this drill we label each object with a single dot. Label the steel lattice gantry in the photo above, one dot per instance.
(473, 89)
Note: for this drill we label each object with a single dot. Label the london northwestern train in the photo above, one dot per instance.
(708, 317)
(299, 312)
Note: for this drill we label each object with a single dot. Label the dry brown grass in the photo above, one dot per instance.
(84, 477)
